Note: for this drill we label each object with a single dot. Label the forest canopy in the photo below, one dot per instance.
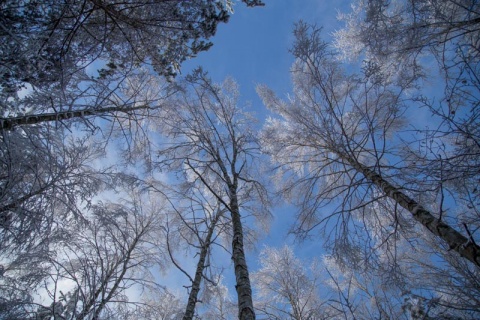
(133, 186)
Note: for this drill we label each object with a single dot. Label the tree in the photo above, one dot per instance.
(398, 40)
(286, 287)
(127, 94)
(46, 178)
(52, 50)
(338, 139)
(197, 221)
(204, 245)
(417, 289)
(218, 302)
(100, 261)
(46, 39)
(85, 269)
(397, 35)
(161, 305)
(213, 147)
(363, 295)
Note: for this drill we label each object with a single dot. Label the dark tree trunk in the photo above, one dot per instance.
(193, 296)
(243, 287)
(10, 123)
(455, 240)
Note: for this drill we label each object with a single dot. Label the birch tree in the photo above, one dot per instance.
(214, 147)
(81, 61)
(420, 43)
(104, 260)
(194, 224)
(418, 290)
(287, 287)
(130, 94)
(45, 179)
(398, 35)
(219, 304)
(202, 264)
(70, 58)
(161, 305)
(337, 140)
(359, 295)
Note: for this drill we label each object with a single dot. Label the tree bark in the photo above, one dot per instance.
(10, 123)
(193, 296)
(243, 287)
(456, 241)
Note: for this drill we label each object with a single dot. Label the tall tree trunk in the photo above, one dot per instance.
(244, 290)
(193, 296)
(10, 123)
(467, 248)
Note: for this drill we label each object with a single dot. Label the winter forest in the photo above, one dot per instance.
(136, 185)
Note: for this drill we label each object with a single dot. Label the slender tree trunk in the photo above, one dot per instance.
(456, 241)
(193, 296)
(10, 123)
(243, 287)
(244, 290)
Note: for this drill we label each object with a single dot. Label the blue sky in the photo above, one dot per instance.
(253, 46)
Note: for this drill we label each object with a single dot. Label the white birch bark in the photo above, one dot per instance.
(197, 280)
(455, 240)
(10, 123)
